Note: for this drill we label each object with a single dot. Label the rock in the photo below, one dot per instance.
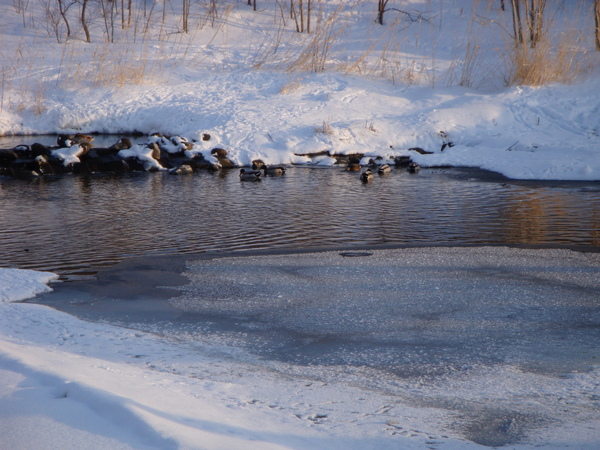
(82, 139)
(225, 163)
(44, 166)
(156, 153)
(68, 140)
(420, 150)
(22, 151)
(7, 157)
(184, 169)
(104, 160)
(402, 161)
(218, 152)
(121, 144)
(40, 150)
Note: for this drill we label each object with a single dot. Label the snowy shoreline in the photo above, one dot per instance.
(123, 388)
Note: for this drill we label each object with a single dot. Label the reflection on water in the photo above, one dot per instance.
(70, 224)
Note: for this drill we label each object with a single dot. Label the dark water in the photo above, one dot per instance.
(72, 224)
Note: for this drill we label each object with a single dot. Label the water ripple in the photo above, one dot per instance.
(71, 224)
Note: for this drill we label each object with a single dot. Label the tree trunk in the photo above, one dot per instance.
(185, 10)
(83, 21)
(517, 26)
(597, 22)
(381, 8)
(63, 14)
(129, 13)
(535, 20)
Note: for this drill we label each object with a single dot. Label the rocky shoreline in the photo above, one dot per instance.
(77, 154)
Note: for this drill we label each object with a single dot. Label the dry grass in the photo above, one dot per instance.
(325, 128)
(561, 62)
(314, 56)
(85, 66)
(16, 74)
(562, 54)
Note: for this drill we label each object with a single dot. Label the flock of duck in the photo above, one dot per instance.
(77, 154)
(259, 168)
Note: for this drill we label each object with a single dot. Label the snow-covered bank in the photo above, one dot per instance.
(549, 133)
(546, 133)
(72, 384)
(75, 385)
(17, 285)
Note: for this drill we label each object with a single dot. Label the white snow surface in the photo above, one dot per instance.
(21, 284)
(384, 90)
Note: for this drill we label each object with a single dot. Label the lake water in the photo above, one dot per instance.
(72, 224)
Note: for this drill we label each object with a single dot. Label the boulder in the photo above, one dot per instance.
(7, 157)
(184, 169)
(218, 152)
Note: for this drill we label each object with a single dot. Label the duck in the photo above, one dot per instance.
(249, 175)
(273, 170)
(413, 167)
(366, 176)
(384, 169)
(353, 167)
(258, 164)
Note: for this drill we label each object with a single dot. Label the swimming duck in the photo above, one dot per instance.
(413, 167)
(366, 176)
(250, 175)
(273, 170)
(383, 169)
(353, 167)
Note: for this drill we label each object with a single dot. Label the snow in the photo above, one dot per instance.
(68, 383)
(76, 385)
(18, 284)
(69, 155)
(384, 89)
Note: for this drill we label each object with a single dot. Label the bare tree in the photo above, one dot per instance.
(213, 12)
(129, 4)
(185, 14)
(535, 20)
(597, 23)
(52, 19)
(302, 16)
(84, 20)
(381, 9)
(63, 7)
(109, 19)
(517, 25)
